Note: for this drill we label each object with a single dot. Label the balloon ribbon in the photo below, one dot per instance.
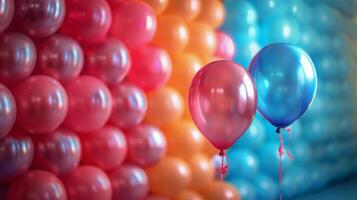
(223, 169)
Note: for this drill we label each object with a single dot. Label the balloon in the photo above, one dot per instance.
(14, 69)
(253, 138)
(277, 78)
(169, 177)
(60, 57)
(158, 6)
(240, 15)
(7, 111)
(108, 61)
(246, 190)
(301, 11)
(6, 13)
(225, 46)
(108, 141)
(39, 18)
(129, 105)
(151, 67)
(186, 9)
(156, 197)
(134, 23)
(183, 139)
(42, 104)
(90, 104)
(58, 151)
(265, 187)
(269, 8)
(308, 37)
(209, 149)
(217, 104)
(218, 190)
(202, 171)
(202, 41)
(146, 145)
(165, 106)
(188, 195)
(247, 50)
(3, 190)
(36, 185)
(212, 13)
(302, 152)
(326, 18)
(172, 33)
(129, 183)
(87, 22)
(280, 30)
(243, 164)
(87, 182)
(16, 155)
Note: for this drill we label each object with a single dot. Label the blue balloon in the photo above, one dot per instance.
(246, 52)
(243, 164)
(245, 188)
(326, 18)
(318, 130)
(308, 38)
(301, 151)
(318, 176)
(294, 181)
(269, 8)
(342, 168)
(300, 11)
(286, 83)
(354, 165)
(239, 15)
(253, 138)
(266, 187)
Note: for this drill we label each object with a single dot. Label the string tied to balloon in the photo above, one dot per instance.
(223, 168)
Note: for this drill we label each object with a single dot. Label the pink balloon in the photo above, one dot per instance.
(6, 13)
(16, 155)
(114, 2)
(146, 145)
(134, 23)
(7, 111)
(129, 105)
(108, 61)
(60, 57)
(225, 46)
(58, 151)
(87, 21)
(37, 185)
(222, 102)
(39, 18)
(105, 148)
(89, 183)
(129, 183)
(151, 67)
(155, 197)
(42, 104)
(14, 69)
(90, 104)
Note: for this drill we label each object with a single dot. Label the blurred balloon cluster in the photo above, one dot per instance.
(324, 140)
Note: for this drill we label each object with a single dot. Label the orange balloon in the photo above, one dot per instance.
(202, 171)
(209, 58)
(188, 195)
(187, 9)
(185, 66)
(209, 149)
(165, 106)
(202, 40)
(213, 13)
(158, 5)
(216, 190)
(171, 34)
(169, 177)
(183, 139)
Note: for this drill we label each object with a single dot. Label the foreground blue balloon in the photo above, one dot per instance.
(286, 82)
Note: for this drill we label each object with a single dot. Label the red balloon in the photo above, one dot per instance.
(225, 46)
(108, 61)
(87, 21)
(42, 104)
(16, 155)
(58, 151)
(151, 67)
(134, 23)
(105, 148)
(114, 2)
(60, 57)
(37, 185)
(146, 145)
(89, 183)
(39, 18)
(14, 69)
(129, 105)
(129, 183)
(155, 197)
(222, 108)
(90, 104)
(6, 13)
(7, 111)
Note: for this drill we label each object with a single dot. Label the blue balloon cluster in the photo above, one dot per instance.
(324, 140)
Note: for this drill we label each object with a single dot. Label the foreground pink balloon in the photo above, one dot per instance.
(7, 111)
(225, 46)
(129, 105)
(6, 13)
(42, 104)
(37, 185)
(222, 102)
(129, 183)
(146, 145)
(89, 183)
(58, 151)
(90, 104)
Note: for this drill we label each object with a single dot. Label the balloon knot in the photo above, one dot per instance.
(277, 130)
(224, 166)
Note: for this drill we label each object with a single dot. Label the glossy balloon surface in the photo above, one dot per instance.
(225, 46)
(212, 13)
(202, 171)
(6, 13)
(7, 111)
(202, 41)
(186, 9)
(216, 190)
(159, 6)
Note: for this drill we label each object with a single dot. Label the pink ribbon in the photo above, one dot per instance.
(224, 169)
